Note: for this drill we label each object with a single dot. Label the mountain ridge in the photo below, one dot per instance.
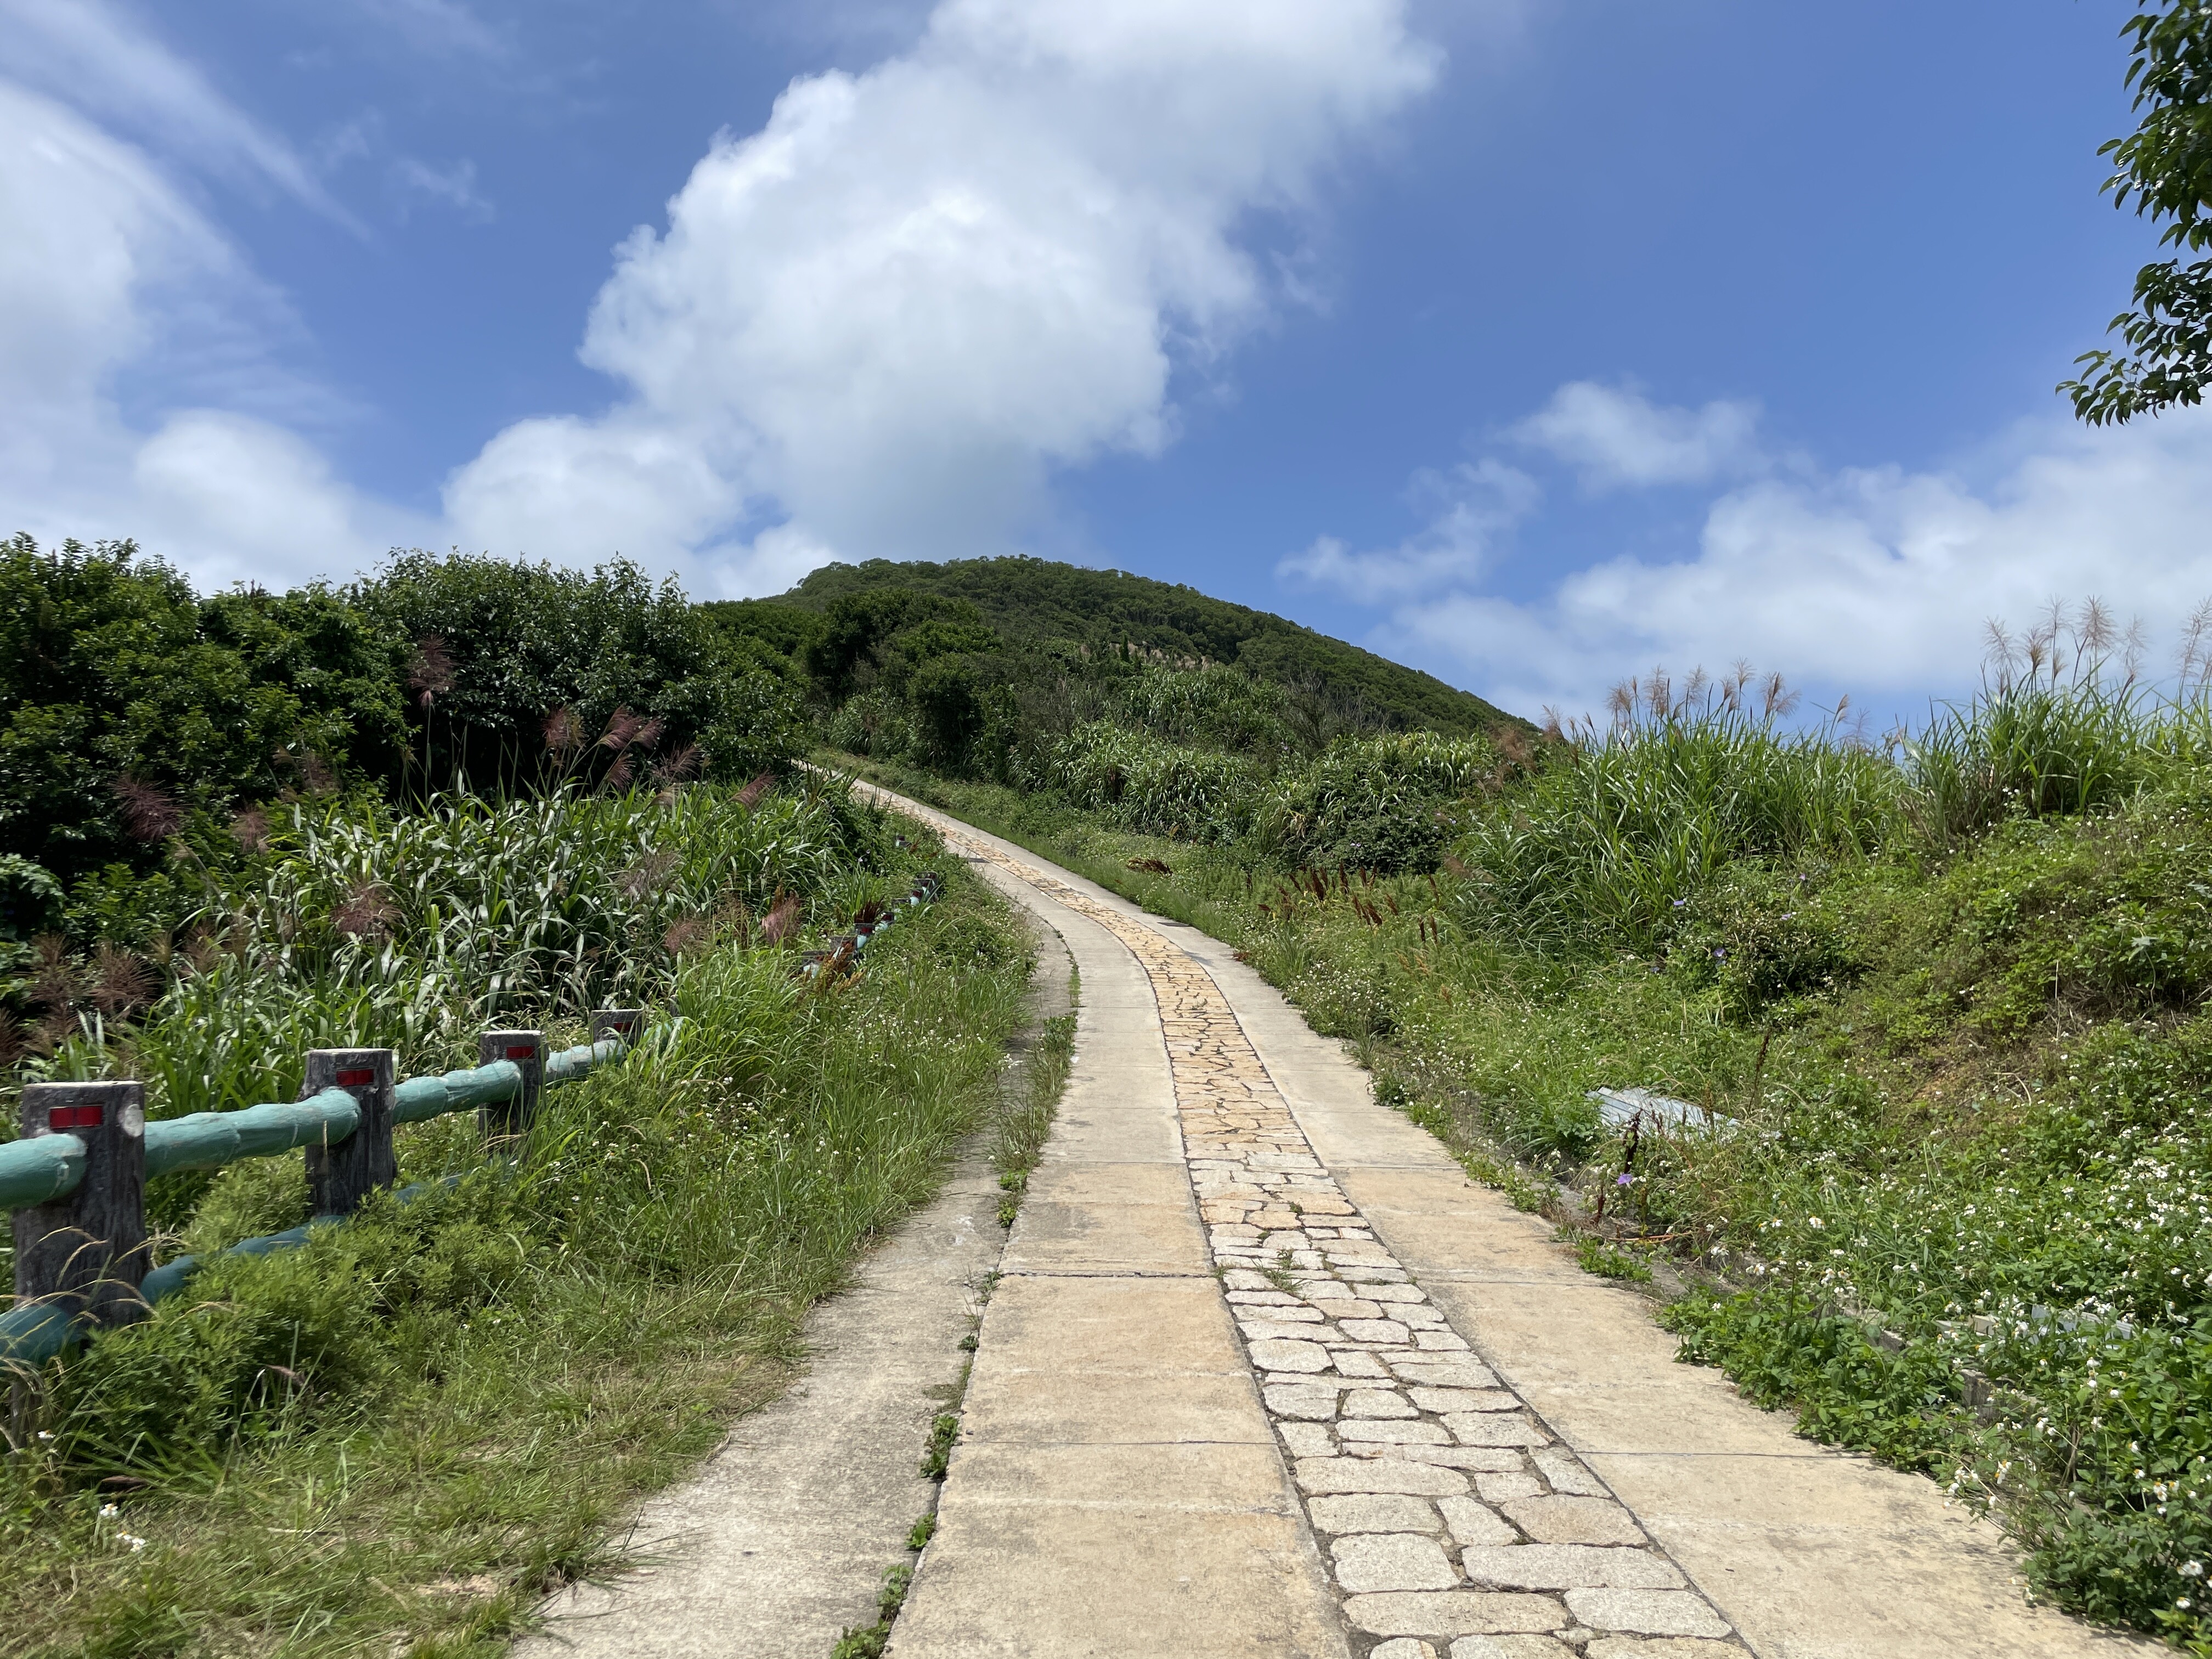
(1032, 602)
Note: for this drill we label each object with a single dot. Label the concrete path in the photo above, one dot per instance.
(780, 1543)
(1266, 1375)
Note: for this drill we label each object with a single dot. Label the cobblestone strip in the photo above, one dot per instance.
(1456, 1528)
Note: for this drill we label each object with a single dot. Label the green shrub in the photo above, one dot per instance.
(1135, 780)
(1386, 802)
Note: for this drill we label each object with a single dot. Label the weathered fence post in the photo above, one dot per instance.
(510, 1119)
(340, 1176)
(622, 1022)
(86, 1249)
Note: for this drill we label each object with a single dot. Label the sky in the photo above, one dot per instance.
(1534, 345)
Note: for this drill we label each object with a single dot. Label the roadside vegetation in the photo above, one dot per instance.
(457, 795)
(1941, 1003)
(411, 1428)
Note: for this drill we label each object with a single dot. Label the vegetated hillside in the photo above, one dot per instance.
(1948, 1006)
(1033, 604)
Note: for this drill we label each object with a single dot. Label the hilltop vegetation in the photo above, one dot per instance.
(1154, 706)
(1040, 616)
(1942, 1006)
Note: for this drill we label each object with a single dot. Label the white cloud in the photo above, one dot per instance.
(99, 56)
(1616, 437)
(438, 27)
(882, 320)
(106, 266)
(453, 184)
(1872, 580)
(1476, 504)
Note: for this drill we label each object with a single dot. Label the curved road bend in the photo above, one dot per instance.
(1266, 1375)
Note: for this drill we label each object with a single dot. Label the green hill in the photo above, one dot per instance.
(1035, 605)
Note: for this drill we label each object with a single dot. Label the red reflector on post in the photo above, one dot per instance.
(75, 1117)
(353, 1079)
(522, 1051)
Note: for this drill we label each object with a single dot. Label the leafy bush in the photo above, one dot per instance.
(127, 707)
(1384, 803)
(519, 675)
(1136, 780)
(1758, 933)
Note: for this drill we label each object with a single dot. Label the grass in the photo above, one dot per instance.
(403, 1435)
(1947, 1005)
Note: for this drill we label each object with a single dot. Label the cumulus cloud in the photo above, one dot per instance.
(1472, 508)
(879, 324)
(1615, 437)
(1872, 580)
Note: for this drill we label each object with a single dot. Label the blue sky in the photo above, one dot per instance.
(1535, 344)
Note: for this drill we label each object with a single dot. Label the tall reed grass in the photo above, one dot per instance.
(363, 926)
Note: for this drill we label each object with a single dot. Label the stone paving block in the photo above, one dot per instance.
(1352, 1363)
(1391, 1432)
(1403, 1647)
(1372, 1330)
(1495, 1429)
(1288, 1356)
(1568, 1475)
(1475, 1525)
(1392, 1561)
(1322, 1476)
(1377, 1402)
(1659, 1647)
(1306, 1439)
(1646, 1613)
(1488, 1459)
(1570, 1567)
(1498, 1488)
(1272, 1330)
(1438, 1372)
(1465, 1400)
(1454, 1613)
(1316, 1401)
(1517, 1647)
(1374, 1512)
(1574, 1520)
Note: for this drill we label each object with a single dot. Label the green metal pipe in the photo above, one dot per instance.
(36, 1170)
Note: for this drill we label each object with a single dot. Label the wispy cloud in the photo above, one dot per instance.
(438, 27)
(453, 184)
(108, 62)
(1470, 509)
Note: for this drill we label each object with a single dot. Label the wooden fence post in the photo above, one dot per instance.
(340, 1176)
(86, 1249)
(510, 1119)
(622, 1022)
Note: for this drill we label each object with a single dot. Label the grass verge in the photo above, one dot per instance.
(404, 1434)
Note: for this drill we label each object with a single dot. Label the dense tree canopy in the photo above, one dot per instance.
(2165, 168)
